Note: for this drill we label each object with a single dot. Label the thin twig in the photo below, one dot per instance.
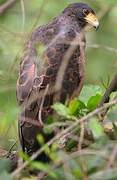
(40, 12)
(23, 14)
(108, 48)
(81, 136)
(11, 148)
(106, 97)
(6, 6)
(111, 88)
(112, 157)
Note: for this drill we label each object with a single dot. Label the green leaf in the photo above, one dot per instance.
(112, 116)
(94, 162)
(5, 176)
(47, 130)
(93, 102)
(54, 147)
(49, 120)
(107, 174)
(40, 139)
(88, 91)
(47, 149)
(62, 110)
(71, 143)
(43, 167)
(113, 95)
(4, 164)
(96, 128)
(75, 105)
(25, 156)
(40, 166)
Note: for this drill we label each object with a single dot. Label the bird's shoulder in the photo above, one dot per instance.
(60, 27)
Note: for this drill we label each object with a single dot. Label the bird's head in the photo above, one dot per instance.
(84, 14)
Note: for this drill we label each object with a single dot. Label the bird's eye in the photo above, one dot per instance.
(85, 12)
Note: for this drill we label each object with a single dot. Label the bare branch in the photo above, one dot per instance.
(23, 14)
(106, 97)
(108, 48)
(81, 136)
(112, 157)
(111, 88)
(6, 6)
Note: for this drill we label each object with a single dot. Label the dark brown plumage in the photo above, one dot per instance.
(42, 64)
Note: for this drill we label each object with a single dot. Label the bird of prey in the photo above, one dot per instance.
(51, 70)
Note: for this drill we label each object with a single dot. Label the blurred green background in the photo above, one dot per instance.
(15, 25)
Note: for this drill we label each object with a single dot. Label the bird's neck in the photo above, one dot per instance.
(81, 24)
(72, 19)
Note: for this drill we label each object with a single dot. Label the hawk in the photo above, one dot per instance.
(51, 70)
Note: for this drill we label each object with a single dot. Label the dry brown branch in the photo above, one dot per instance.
(23, 13)
(111, 88)
(40, 12)
(12, 34)
(67, 130)
(112, 157)
(82, 160)
(106, 97)
(82, 131)
(6, 6)
(108, 48)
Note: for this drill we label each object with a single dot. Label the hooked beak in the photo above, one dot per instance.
(92, 20)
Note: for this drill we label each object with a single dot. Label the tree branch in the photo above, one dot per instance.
(111, 88)
(6, 6)
(106, 97)
(108, 48)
